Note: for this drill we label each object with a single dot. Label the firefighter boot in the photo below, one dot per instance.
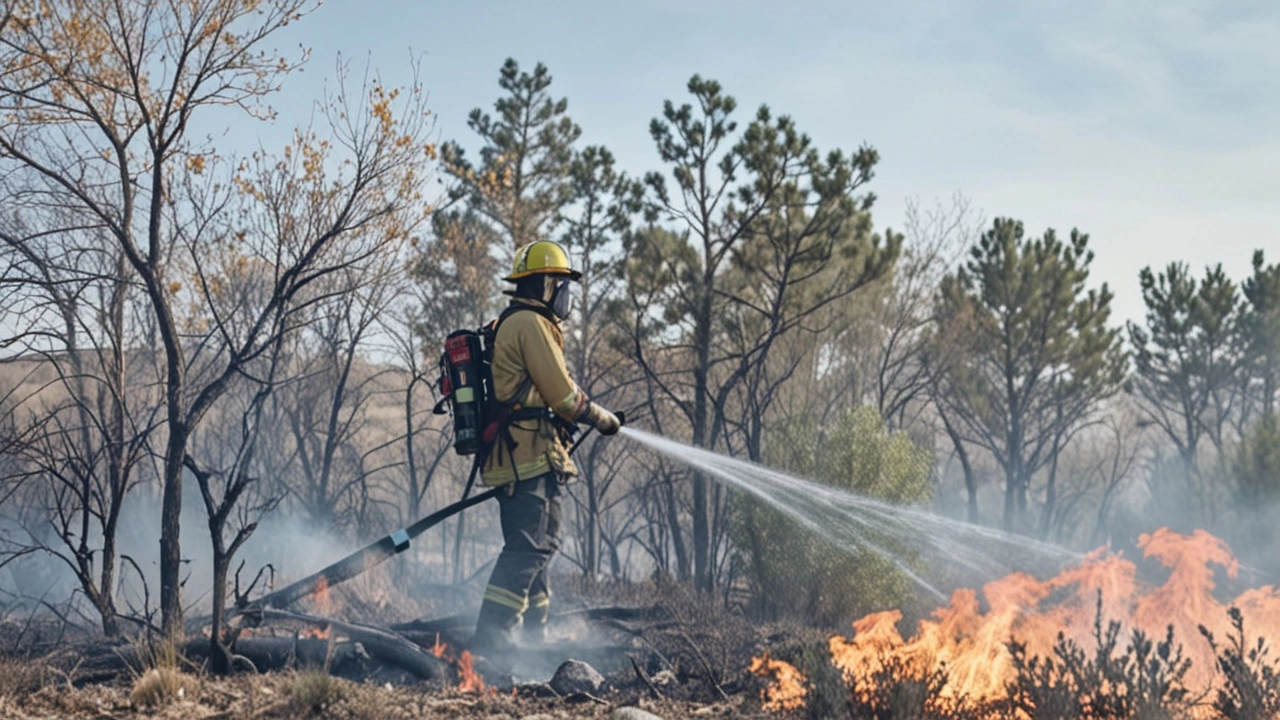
(535, 619)
(492, 641)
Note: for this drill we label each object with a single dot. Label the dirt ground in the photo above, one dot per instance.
(49, 671)
(293, 695)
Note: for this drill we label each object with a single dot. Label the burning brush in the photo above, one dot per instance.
(980, 656)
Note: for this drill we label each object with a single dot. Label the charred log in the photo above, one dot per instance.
(383, 645)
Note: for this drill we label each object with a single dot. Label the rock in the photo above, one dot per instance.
(632, 713)
(539, 716)
(575, 676)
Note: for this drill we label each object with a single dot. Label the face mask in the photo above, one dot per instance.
(562, 299)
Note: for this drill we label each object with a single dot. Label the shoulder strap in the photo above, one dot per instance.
(512, 309)
(499, 429)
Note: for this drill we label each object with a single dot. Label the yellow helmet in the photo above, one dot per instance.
(545, 257)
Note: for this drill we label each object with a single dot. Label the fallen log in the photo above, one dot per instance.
(279, 653)
(382, 645)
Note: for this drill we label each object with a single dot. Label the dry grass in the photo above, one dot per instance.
(20, 677)
(161, 686)
(271, 697)
(160, 678)
(313, 691)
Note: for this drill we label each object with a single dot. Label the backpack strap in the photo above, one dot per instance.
(509, 411)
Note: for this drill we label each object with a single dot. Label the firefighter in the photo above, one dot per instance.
(530, 455)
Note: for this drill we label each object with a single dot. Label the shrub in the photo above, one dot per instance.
(1252, 683)
(313, 691)
(1144, 682)
(794, 574)
(161, 686)
(902, 690)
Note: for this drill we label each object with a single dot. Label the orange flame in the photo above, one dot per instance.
(971, 641)
(439, 648)
(468, 679)
(316, 633)
(788, 688)
(323, 603)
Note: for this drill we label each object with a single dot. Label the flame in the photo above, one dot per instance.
(972, 642)
(323, 602)
(788, 688)
(468, 679)
(316, 633)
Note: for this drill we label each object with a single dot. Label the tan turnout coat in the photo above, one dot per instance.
(531, 346)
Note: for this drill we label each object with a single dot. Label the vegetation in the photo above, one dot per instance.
(312, 691)
(161, 676)
(793, 573)
(257, 332)
(1145, 679)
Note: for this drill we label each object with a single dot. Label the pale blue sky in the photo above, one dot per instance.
(1153, 126)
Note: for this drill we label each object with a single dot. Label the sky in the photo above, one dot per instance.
(1152, 126)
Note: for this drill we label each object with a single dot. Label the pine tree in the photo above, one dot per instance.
(1030, 353)
(761, 204)
(1186, 356)
(602, 203)
(1261, 325)
(522, 179)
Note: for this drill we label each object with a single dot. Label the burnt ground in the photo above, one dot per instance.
(662, 649)
(277, 695)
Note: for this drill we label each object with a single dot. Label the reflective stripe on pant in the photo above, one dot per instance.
(530, 516)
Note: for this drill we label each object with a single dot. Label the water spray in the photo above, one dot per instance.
(857, 523)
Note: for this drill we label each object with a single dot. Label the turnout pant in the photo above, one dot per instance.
(518, 590)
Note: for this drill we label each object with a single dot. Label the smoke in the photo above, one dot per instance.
(287, 542)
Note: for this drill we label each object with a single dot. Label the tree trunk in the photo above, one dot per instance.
(677, 536)
(1050, 497)
(703, 579)
(1015, 491)
(1010, 498)
(591, 563)
(457, 548)
(106, 602)
(170, 525)
(411, 457)
(219, 655)
(970, 480)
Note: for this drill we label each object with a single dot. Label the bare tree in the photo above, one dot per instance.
(98, 99)
(425, 436)
(933, 241)
(85, 405)
(297, 242)
(326, 409)
(230, 486)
